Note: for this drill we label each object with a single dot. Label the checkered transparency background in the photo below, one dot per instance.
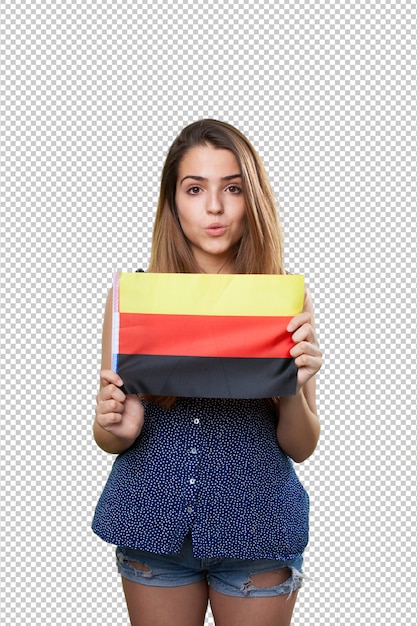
(92, 95)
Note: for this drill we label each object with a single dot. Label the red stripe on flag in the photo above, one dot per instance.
(204, 335)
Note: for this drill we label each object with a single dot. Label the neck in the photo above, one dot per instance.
(214, 268)
(222, 267)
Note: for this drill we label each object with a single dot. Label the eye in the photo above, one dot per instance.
(194, 190)
(234, 189)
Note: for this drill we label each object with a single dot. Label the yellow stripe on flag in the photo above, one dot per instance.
(211, 294)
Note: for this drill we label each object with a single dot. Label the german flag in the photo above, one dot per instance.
(205, 335)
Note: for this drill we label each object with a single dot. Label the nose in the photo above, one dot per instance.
(214, 204)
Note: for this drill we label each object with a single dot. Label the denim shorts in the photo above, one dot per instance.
(228, 576)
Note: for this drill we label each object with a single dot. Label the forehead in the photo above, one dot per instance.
(208, 161)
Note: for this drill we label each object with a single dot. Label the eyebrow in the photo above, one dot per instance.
(231, 177)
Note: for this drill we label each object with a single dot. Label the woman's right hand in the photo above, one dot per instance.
(118, 413)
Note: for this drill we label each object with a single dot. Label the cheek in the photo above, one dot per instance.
(180, 210)
(186, 218)
(183, 216)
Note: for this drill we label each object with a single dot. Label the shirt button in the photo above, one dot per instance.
(192, 481)
(196, 420)
(189, 509)
(193, 450)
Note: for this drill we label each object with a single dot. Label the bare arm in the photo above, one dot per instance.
(298, 427)
(119, 417)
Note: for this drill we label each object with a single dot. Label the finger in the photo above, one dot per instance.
(108, 420)
(108, 377)
(299, 320)
(111, 406)
(304, 333)
(305, 347)
(307, 361)
(110, 392)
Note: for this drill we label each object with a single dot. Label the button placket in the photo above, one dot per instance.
(193, 466)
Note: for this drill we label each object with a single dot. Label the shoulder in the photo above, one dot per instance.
(308, 307)
(308, 301)
(109, 299)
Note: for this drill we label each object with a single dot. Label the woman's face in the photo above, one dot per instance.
(211, 206)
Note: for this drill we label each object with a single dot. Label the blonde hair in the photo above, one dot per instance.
(260, 250)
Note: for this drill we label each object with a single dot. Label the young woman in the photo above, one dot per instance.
(203, 501)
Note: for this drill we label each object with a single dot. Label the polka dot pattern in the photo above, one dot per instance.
(211, 467)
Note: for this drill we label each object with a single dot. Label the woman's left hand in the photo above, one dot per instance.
(306, 352)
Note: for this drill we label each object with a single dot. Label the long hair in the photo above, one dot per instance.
(260, 250)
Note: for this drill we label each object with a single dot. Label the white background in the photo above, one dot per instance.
(92, 95)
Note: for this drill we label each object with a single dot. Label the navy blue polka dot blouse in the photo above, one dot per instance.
(212, 468)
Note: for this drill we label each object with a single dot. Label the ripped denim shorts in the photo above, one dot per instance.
(228, 576)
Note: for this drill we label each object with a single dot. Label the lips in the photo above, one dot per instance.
(216, 229)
